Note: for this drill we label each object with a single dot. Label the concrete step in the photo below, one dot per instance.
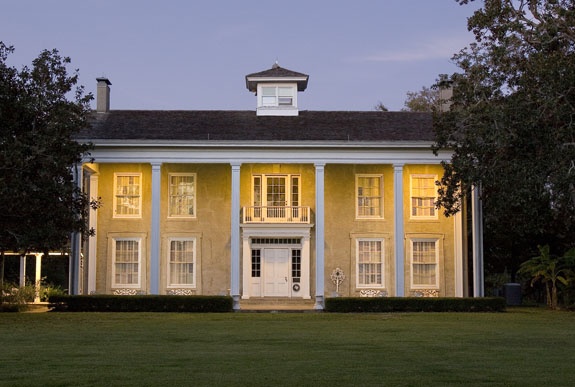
(277, 304)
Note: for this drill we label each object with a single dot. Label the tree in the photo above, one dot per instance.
(511, 126)
(381, 107)
(40, 203)
(424, 100)
(551, 271)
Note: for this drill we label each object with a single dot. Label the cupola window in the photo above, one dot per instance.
(276, 90)
(277, 96)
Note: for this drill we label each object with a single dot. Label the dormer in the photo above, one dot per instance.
(276, 90)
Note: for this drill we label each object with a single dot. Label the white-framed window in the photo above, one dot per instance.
(182, 195)
(127, 195)
(126, 262)
(276, 190)
(276, 196)
(370, 263)
(369, 196)
(423, 197)
(181, 262)
(278, 95)
(424, 263)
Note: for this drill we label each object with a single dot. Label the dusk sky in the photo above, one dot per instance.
(194, 55)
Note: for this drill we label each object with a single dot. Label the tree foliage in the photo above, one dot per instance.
(424, 100)
(550, 270)
(40, 203)
(512, 124)
(381, 107)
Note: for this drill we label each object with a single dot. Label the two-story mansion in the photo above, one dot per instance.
(267, 203)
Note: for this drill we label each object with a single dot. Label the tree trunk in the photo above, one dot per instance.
(2, 278)
(554, 296)
(549, 297)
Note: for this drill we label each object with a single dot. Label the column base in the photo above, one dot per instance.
(319, 303)
(236, 300)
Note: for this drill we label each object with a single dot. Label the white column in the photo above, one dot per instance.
(92, 244)
(155, 229)
(247, 268)
(75, 245)
(235, 236)
(477, 241)
(319, 235)
(399, 230)
(22, 271)
(37, 277)
(458, 253)
(305, 271)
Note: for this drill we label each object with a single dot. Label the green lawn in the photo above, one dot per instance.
(519, 348)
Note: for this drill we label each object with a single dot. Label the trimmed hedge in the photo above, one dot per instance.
(141, 303)
(413, 304)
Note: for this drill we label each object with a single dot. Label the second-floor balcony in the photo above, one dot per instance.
(281, 214)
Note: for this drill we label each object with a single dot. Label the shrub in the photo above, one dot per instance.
(144, 303)
(413, 304)
(14, 299)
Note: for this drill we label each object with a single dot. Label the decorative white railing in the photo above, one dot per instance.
(285, 214)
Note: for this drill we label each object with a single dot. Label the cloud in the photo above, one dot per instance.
(443, 48)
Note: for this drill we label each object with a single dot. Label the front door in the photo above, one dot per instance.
(276, 272)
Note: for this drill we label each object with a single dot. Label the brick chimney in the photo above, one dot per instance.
(103, 95)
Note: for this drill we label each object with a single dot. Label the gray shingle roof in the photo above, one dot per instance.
(243, 126)
(276, 72)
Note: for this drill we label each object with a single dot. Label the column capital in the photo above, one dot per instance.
(156, 165)
(398, 167)
(319, 165)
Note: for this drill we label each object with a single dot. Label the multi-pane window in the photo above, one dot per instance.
(277, 96)
(276, 190)
(424, 263)
(370, 263)
(296, 265)
(181, 261)
(423, 193)
(126, 258)
(369, 189)
(256, 263)
(182, 192)
(127, 195)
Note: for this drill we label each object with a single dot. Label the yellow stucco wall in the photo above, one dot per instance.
(342, 227)
(211, 226)
(441, 228)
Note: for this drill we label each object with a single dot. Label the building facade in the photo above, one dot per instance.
(276, 202)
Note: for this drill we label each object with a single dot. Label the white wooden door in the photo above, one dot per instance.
(276, 272)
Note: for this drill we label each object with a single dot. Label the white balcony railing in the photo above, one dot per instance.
(259, 214)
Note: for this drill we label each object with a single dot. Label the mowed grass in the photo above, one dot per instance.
(522, 347)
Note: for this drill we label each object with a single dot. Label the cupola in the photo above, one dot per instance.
(276, 90)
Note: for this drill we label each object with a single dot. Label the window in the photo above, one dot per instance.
(256, 263)
(277, 96)
(127, 195)
(182, 262)
(182, 192)
(296, 265)
(126, 262)
(424, 255)
(370, 263)
(423, 195)
(369, 190)
(276, 190)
